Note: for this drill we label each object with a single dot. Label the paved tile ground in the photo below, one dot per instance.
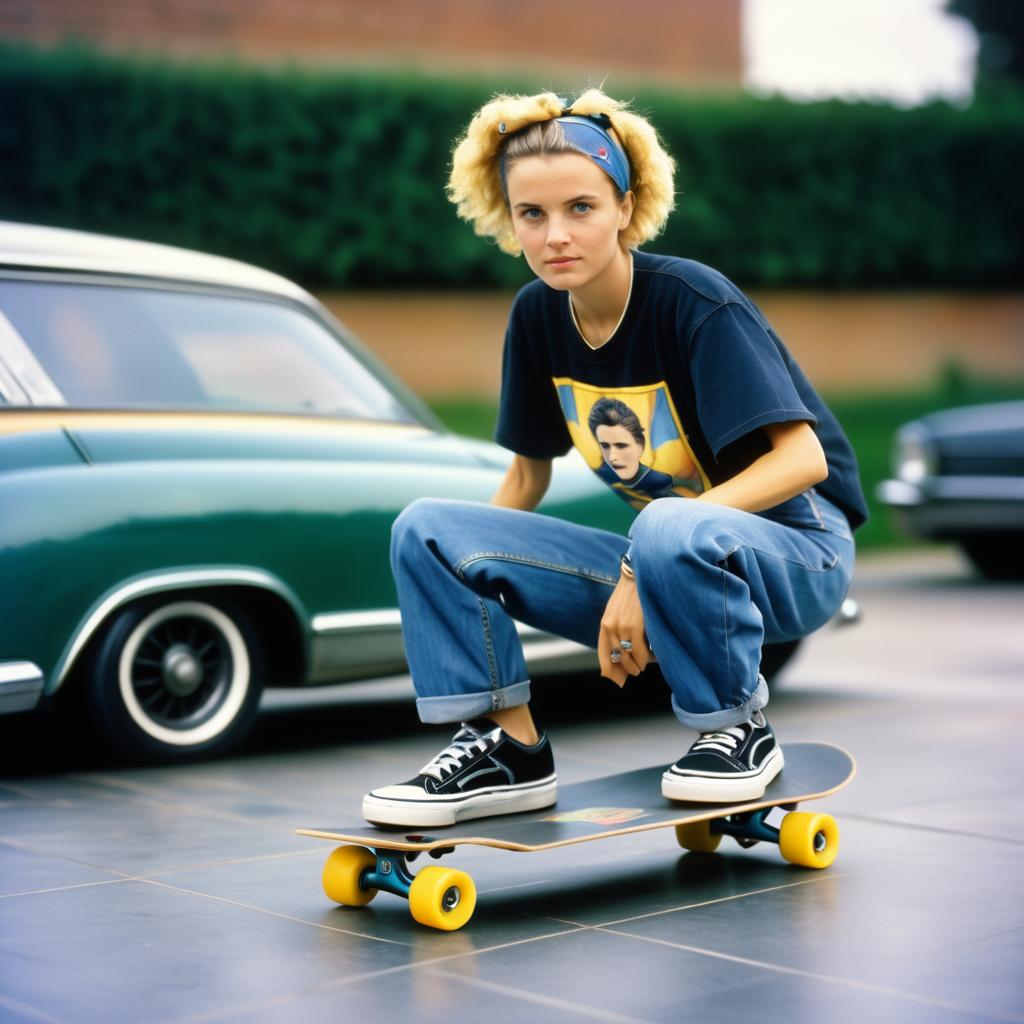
(181, 895)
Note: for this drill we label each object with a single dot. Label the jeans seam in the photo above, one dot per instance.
(725, 620)
(489, 646)
(538, 563)
(809, 495)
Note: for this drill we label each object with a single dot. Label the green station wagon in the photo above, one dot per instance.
(199, 469)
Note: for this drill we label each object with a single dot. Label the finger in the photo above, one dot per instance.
(612, 671)
(642, 656)
(604, 649)
(635, 654)
(629, 664)
(616, 675)
(619, 667)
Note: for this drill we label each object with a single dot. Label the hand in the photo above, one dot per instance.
(623, 620)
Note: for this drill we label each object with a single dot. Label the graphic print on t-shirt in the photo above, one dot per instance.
(632, 438)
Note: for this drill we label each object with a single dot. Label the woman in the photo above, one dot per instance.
(760, 550)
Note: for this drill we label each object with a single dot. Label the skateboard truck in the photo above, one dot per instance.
(747, 829)
(390, 874)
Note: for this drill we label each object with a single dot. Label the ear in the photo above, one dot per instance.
(626, 210)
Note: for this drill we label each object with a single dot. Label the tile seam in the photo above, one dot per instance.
(916, 827)
(827, 978)
(536, 998)
(271, 913)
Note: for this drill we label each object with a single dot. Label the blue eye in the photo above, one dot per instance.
(531, 214)
(582, 207)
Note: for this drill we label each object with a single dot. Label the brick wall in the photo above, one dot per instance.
(449, 344)
(692, 42)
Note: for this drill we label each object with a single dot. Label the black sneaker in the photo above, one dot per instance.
(483, 771)
(726, 766)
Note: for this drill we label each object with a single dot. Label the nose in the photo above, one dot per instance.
(558, 232)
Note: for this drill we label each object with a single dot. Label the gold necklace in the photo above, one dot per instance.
(622, 315)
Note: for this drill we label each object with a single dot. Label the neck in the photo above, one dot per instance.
(601, 303)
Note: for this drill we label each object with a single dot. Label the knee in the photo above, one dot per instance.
(676, 528)
(416, 523)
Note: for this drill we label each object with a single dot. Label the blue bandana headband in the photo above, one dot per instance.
(589, 134)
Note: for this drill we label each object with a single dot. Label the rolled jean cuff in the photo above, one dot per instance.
(713, 720)
(461, 707)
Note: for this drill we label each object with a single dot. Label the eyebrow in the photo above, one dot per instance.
(568, 202)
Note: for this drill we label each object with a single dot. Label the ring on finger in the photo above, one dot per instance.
(616, 656)
(626, 645)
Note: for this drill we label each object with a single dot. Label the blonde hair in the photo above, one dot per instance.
(475, 184)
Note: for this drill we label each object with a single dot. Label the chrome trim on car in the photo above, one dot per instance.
(898, 492)
(378, 619)
(344, 622)
(351, 645)
(159, 583)
(849, 613)
(21, 686)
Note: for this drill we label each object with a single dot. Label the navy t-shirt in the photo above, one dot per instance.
(672, 403)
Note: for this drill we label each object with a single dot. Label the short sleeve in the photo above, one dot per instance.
(530, 420)
(741, 377)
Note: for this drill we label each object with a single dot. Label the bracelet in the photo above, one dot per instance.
(626, 566)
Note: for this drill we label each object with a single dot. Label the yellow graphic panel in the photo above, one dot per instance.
(632, 438)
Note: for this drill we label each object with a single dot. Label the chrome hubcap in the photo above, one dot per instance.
(182, 670)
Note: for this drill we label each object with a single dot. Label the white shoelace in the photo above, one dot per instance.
(725, 741)
(467, 743)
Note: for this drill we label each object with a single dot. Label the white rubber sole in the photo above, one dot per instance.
(718, 789)
(429, 811)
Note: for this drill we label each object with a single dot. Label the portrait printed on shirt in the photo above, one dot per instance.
(633, 439)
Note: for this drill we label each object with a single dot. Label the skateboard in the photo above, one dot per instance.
(378, 858)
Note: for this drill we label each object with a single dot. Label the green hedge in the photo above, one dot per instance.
(336, 179)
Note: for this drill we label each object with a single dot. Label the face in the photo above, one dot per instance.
(567, 217)
(620, 449)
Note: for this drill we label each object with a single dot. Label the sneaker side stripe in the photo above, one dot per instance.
(492, 770)
(754, 749)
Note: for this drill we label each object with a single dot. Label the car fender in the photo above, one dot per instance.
(188, 578)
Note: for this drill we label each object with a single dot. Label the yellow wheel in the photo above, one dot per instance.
(442, 898)
(342, 872)
(810, 840)
(698, 837)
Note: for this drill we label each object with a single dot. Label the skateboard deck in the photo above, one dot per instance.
(601, 808)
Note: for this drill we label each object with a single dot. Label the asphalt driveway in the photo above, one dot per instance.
(181, 894)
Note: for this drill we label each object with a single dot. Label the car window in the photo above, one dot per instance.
(109, 346)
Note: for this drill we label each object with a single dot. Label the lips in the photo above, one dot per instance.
(562, 261)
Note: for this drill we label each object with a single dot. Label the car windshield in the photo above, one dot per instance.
(106, 346)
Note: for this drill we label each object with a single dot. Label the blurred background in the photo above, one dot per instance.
(853, 164)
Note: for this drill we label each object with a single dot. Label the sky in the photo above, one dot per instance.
(904, 52)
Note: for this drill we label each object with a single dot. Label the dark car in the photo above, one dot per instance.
(959, 476)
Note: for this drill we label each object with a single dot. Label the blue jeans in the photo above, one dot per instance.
(714, 584)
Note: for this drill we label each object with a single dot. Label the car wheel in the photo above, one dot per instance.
(176, 679)
(998, 556)
(775, 657)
